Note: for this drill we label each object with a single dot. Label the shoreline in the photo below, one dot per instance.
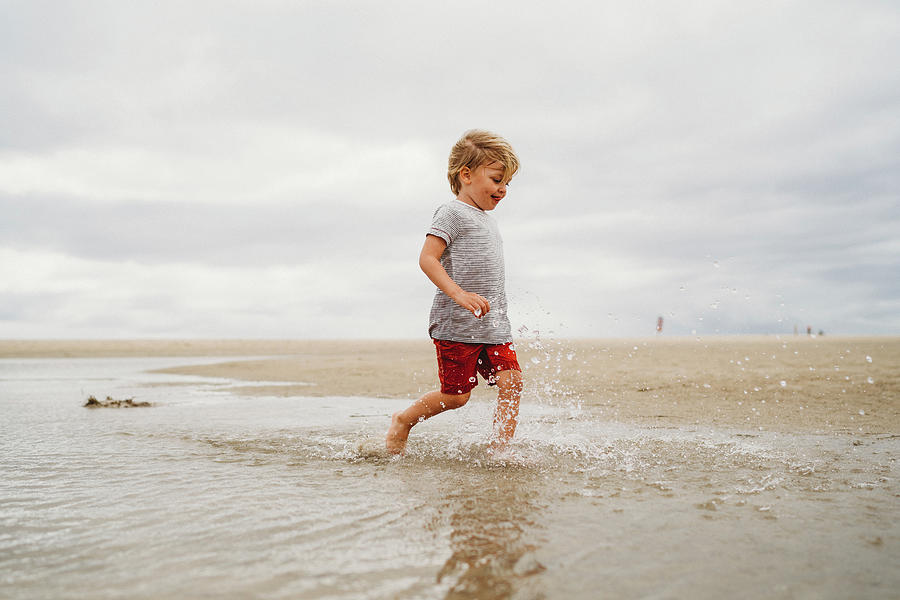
(176, 347)
(849, 385)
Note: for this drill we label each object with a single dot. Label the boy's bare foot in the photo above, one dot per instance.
(397, 434)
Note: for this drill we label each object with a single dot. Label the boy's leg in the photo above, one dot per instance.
(457, 365)
(427, 406)
(506, 416)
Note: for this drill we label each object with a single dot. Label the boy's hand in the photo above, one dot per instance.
(472, 302)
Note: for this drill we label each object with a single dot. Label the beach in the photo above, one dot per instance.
(784, 383)
(743, 467)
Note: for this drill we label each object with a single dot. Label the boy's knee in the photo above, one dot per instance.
(456, 400)
(511, 380)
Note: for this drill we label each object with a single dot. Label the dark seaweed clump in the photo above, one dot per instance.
(111, 403)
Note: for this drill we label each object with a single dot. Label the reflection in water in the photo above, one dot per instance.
(491, 514)
(285, 501)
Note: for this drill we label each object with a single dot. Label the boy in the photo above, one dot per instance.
(463, 257)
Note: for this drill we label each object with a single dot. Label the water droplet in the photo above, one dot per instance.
(783, 383)
(512, 347)
(868, 358)
(496, 353)
(870, 380)
(862, 412)
(472, 380)
(480, 361)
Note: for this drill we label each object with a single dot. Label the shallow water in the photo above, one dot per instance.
(208, 493)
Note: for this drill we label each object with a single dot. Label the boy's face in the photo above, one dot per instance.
(484, 186)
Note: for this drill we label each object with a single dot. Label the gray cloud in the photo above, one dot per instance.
(269, 168)
(205, 234)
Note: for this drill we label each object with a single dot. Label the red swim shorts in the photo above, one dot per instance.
(458, 363)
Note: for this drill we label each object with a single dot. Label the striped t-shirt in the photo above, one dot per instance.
(474, 260)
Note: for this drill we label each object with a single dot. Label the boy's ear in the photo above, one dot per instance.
(465, 175)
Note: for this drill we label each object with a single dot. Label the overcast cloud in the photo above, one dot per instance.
(268, 169)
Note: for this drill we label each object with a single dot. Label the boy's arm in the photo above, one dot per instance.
(430, 263)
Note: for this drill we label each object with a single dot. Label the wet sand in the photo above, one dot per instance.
(789, 383)
(670, 482)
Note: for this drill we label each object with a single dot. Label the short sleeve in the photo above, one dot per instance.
(445, 224)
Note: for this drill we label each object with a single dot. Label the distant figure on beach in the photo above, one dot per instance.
(463, 257)
(659, 324)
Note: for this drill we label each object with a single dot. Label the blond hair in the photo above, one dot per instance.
(479, 147)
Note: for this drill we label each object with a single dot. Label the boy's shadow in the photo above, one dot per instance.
(491, 514)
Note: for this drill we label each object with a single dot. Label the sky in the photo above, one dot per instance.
(268, 169)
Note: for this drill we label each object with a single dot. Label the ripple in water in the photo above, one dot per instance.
(208, 494)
